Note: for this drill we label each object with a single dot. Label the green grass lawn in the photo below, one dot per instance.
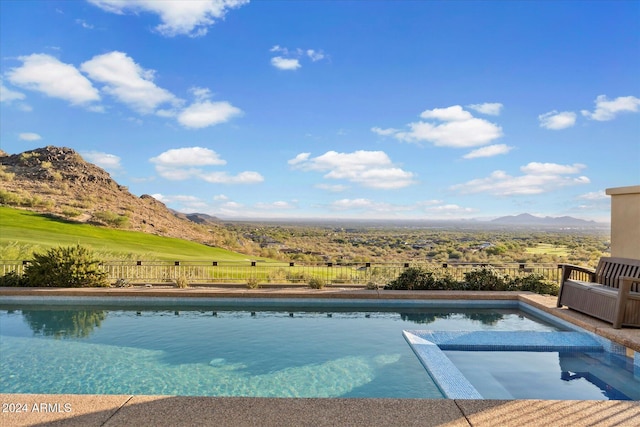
(548, 249)
(23, 232)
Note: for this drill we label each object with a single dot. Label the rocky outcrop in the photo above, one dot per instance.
(57, 180)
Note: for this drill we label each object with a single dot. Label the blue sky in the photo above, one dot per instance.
(331, 109)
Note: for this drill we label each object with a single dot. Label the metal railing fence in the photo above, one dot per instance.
(204, 272)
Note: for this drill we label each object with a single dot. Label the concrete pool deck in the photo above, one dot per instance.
(117, 410)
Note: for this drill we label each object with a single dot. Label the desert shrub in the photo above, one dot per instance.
(181, 282)
(316, 283)
(71, 212)
(297, 276)
(62, 267)
(485, 279)
(534, 283)
(6, 176)
(122, 283)
(112, 219)
(253, 283)
(371, 285)
(12, 279)
(418, 278)
(8, 198)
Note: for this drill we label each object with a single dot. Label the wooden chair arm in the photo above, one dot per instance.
(567, 269)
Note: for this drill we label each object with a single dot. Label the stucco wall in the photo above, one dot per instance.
(625, 221)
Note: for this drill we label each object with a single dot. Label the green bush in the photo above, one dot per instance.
(485, 279)
(12, 279)
(418, 278)
(316, 283)
(253, 283)
(534, 283)
(65, 267)
(181, 282)
(112, 219)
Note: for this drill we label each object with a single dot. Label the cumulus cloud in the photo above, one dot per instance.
(594, 195)
(178, 17)
(289, 59)
(248, 177)
(373, 169)
(186, 163)
(384, 132)
(488, 151)
(315, 55)
(537, 178)
(46, 74)
(370, 206)
(555, 120)
(285, 63)
(607, 109)
(84, 24)
(127, 81)
(448, 127)
(337, 188)
(449, 209)
(188, 156)
(104, 160)
(186, 203)
(29, 136)
(489, 108)
(8, 96)
(207, 113)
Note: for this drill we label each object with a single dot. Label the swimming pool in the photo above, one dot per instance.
(215, 347)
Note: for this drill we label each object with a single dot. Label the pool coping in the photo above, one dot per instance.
(110, 410)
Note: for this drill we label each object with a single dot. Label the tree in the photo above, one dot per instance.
(65, 267)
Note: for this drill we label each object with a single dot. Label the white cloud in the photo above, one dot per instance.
(248, 177)
(188, 156)
(290, 59)
(179, 17)
(285, 63)
(489, 108)
(29, 136)
(608, 109)
(449, 209)
(538, 178)
(594, 195)
(185, 163)
(84, 24)
(104, 160)
(488, 151)
(186, 203)
(8, 96)
(372, 169)
(384, 132)
(279, 205)
(370, 206)
(333, 188)
(453, 127)
(127, 81)
(449, 114)
(207, 113)
(536, 168)
(46, 74)
(315, 55)
(555, 121)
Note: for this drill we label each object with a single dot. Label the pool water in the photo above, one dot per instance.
(275, 352)
(548, 375)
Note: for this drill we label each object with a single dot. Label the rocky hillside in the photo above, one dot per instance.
(58, 181)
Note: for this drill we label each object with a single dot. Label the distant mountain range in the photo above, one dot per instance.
(528, 219)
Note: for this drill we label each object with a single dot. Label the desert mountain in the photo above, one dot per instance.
(58, 181)
(528, 219)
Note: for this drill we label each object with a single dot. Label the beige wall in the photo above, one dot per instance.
(625, 221)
